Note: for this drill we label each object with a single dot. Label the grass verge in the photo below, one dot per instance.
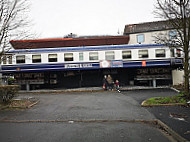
(179, 99)
(18, 104)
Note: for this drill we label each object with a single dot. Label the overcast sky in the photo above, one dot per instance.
(57, 18)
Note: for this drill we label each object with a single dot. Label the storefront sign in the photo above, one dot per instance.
(117, 63)
(71, 66)
(105, 64)
(144, 63)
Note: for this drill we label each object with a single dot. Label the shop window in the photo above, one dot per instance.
(143, 53)
(140, 38)
(93, 56)
(36, 58)
(126, 54)
(52, 57)
(172, 35)
(81, 57)
(110, 55)
(160, 53)
(68, 56)
(20, 59)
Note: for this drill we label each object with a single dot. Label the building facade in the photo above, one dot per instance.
(133, 59)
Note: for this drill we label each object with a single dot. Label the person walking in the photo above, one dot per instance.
(105, 83)
(110, 82)
(117, 85)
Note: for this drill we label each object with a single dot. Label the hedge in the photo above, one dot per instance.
(7, 92)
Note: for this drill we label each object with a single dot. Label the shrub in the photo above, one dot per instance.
(7, 92)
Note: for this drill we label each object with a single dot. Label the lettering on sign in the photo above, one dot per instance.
(70, 66)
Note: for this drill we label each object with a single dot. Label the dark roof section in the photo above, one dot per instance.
(69, 42)
(147, 27)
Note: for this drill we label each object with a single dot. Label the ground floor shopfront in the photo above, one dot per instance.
(154, 76)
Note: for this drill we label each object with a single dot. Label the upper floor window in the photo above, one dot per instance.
(93, 56)
(52, 57)
(36, 58)
(126, 54)
(110, 55)
(143, 53)
(68, 56)
(20, 59)
(81, 57)
(160, 53)
(172, 35)
(140, 38)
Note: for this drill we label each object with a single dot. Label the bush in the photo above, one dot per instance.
(7, 92)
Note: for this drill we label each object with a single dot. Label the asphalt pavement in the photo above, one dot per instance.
(176, 117)
(87, 116)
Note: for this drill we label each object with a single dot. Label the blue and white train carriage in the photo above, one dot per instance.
(82, 66)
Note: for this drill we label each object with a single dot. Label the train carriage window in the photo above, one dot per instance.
(143, 53)
(81, 57)
(93, 56)
(20, 59)
(52, 57)
(10, 59)
(126, 54)
(160, 53)
(68, 56)
(172, 52)
(36, 58)
(4, 58)
(178, 52)
(110, 55)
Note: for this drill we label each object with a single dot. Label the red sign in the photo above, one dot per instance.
(144, 63)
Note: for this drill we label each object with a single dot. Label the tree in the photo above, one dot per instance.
(14, 23)
(177, 13)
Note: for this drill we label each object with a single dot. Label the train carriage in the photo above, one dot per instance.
(82, 65)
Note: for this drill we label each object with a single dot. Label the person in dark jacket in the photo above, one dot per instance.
(105, 83)
(110, 82)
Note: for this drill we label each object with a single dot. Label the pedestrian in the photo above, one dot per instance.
(110, 82)
(105, 83)
(117, 85)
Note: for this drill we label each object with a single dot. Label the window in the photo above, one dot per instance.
(172, 35)
(143, 53)
(36, 58)
(81, 57)
(52, 57)
(178, 52)
(126, 54)
(172, 52)
(110, 55)
(10, 59)
(140, 39)
(93, 56)
(68, 56)
(160, 53)
(4, 59)
(20, 59)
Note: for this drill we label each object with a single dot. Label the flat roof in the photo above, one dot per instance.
(69, 42)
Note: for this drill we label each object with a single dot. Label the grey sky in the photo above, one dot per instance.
(56, 18)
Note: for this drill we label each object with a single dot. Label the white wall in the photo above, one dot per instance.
(177, 77)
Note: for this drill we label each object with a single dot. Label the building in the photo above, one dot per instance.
(133, 59)
(150, 33)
